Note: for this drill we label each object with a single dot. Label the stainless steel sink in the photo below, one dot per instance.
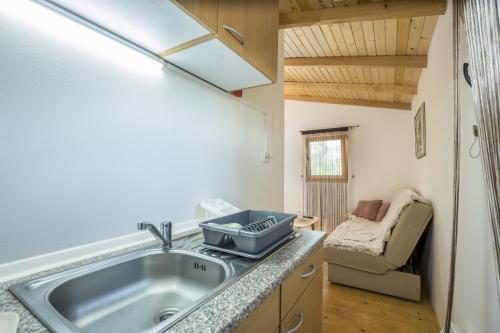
(142, 291)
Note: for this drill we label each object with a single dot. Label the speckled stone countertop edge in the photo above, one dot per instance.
(227, 310)
(223, 313)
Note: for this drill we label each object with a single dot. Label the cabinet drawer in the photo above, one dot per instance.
(265, 319)
(295, 284)
(307, 313)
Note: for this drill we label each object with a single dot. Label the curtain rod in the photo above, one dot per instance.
(329, 130)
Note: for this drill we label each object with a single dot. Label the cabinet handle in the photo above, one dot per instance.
(236, 34)
(301, 321)
(308, 274)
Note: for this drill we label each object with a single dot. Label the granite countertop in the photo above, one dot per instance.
(222, 313)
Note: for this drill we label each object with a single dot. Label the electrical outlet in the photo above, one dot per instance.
(265, 157)
(475, 131)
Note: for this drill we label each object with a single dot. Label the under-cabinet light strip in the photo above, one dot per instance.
(48, 17)
(98, 28)
(18, 8)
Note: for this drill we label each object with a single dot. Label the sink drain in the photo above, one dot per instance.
(165, 314)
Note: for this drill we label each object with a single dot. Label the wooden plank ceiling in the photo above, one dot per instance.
(357, 52)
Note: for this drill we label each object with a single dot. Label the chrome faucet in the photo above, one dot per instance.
(164, 235)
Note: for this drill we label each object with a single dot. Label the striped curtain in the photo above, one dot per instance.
(325, 176)
(482, 27)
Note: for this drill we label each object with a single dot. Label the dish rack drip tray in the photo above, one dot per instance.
(232, 249)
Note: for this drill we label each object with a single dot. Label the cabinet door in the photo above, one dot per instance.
(307, 313)
(205, 11)
(250, 28)
(265, 319)
(298, 281)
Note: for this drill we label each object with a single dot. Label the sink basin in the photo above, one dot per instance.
(143, 291)
(137, 294)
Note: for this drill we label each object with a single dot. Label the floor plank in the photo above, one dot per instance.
(349, 310)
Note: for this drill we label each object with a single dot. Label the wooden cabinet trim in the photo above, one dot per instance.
(186, 45)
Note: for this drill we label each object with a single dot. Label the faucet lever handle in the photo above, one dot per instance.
(142, 225)
(166, 230)
(166, 226)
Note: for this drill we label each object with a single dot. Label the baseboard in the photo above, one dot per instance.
(426, 297)
(453, 329)
(19, 268)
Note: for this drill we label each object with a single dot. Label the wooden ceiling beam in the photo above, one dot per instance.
(380, 10)
(380, 61)
(356, 102)
(358, 87)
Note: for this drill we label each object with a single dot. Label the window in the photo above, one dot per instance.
(327, 158)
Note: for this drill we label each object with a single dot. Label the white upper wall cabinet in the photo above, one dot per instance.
(244, 52)
(156, 25)
(230, 43)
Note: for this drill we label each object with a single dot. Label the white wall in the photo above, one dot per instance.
(476, 306)
(88, 149)
(435, 171)
(381, 150)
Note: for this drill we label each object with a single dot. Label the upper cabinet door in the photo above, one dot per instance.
(250, 28)
(156, 25)
(205, 11)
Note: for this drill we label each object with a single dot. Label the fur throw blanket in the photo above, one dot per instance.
(362, 235)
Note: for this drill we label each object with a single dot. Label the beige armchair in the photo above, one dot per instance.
(382, 273)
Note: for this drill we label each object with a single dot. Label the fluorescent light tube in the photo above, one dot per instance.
(71, 32)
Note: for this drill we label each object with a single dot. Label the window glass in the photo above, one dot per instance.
(326, 158)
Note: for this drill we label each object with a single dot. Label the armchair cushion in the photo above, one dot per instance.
(357, 260)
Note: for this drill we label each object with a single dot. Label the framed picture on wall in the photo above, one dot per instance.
(420, 132)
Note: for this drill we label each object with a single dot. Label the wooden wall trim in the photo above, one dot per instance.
(357, 102)
(378, 61)
(375, 88)
(364, 12)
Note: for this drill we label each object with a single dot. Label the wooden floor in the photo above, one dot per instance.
(347, 310)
